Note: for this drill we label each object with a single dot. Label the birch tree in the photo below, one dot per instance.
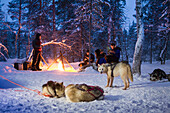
(136, 69)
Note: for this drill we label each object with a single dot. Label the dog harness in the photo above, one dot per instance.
(112, 68)
(78, 86)
(93, 88)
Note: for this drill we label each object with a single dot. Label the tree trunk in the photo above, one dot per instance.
(82, 44)
(28, 46)
(163, 52)
(54, 33)
(136, 69)
(53, 15)
(151, 51)
(90, 28)
(40, 11)
(109, 29)
(19, 37)
(16, 38)
(125, 46)
(114, 32)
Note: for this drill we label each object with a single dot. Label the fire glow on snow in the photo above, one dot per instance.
(59, 66)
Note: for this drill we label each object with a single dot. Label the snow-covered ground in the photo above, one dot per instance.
(143, 96)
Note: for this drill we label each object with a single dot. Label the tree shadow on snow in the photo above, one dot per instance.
(150, 84)
(4, 84)
(113, 98)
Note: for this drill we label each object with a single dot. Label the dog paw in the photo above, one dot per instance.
(106, 86)
(124, 88)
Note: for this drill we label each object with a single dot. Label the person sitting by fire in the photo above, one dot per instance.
(86, 59)
(36, 43)
(113, 53)
(100, 55)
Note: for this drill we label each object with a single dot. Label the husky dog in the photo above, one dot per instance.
(168, 76)
(53, 89)
(158, 74)
(82, 68)
(115, 69)
(83, 93)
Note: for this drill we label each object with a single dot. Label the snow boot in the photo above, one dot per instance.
(34, 69)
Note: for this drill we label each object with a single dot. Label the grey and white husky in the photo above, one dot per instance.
(53, 89)
(115, 69)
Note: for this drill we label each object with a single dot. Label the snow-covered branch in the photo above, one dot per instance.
(57, 43)
(1, 45)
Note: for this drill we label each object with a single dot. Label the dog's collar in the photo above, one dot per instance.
(46, 95)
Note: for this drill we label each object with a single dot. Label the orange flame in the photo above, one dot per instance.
(60, 67)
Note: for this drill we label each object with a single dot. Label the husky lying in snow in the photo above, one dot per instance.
(158, 74)
(83, 93)
(73, 93)
(115, 69)
(53, 89)
(88, 65)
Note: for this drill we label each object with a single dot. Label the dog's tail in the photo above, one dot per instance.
(129, 72)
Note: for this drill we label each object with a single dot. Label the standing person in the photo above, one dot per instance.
(114, 53)
(36, 43)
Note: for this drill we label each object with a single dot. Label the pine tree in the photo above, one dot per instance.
(155, 33)
(131, 40)
(78, 27)
(2, 19)
(164, 32)
(115, 18)
(16, 11)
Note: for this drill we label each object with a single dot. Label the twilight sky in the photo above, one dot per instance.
(130, 9)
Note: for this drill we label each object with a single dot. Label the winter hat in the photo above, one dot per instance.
(87, 51)
(38, 35)
(112, 44)
(101, 50)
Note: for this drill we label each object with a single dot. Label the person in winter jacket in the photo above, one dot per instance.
(36, 43)
(86, 59)
(100, 57)
(114, 53)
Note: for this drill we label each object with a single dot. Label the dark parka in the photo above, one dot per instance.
(36, 43)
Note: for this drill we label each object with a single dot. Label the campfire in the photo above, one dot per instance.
(61, 67)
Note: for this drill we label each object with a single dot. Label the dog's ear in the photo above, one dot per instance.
(61, 83)
(45, 85)
(104, 65)
(50, 82)
(98, 65)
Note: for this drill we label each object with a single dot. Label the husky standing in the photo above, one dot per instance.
(115, 69)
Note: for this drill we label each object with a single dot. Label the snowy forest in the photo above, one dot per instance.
(82, 25)
(68, 28)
